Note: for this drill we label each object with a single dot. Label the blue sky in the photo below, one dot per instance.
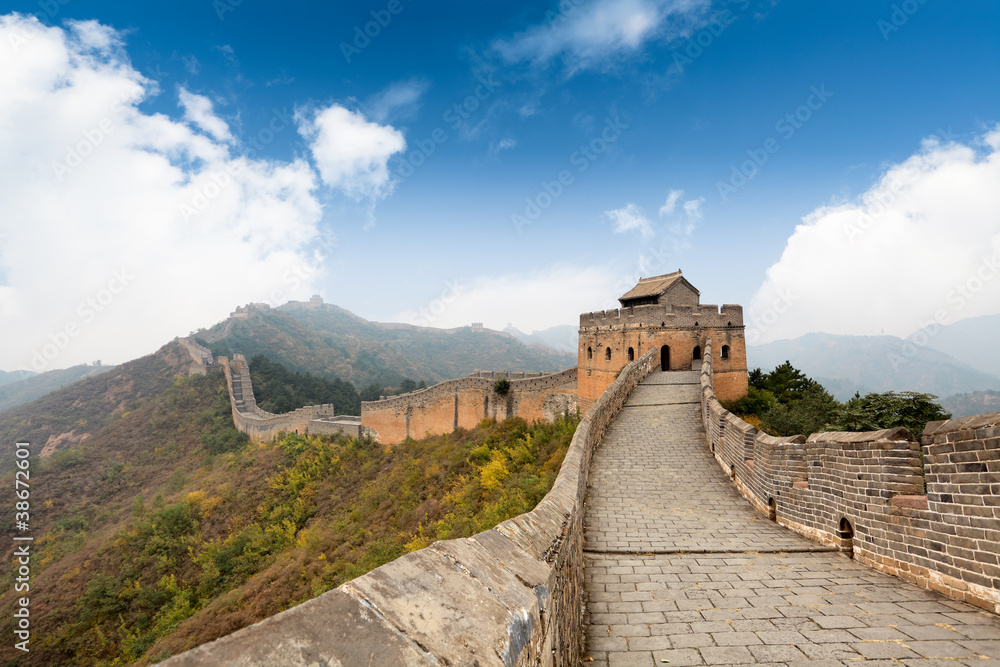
(670, 96)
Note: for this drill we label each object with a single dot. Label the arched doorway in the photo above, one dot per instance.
(697, 352)
(665, 358)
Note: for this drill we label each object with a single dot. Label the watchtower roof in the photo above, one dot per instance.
(655, 286)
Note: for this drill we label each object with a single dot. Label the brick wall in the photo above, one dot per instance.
(465, 402)
(261, 425)
(645, 328)
(507, 597)
(864, 492)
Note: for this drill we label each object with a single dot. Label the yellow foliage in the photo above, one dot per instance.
(493, 474)
(195, 498)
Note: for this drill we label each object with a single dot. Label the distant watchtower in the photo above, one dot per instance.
(663, 313)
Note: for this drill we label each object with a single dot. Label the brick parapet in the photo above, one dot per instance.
(464, 402)
(482, 380)
(864, 492)
(704, 315)
(510, 596)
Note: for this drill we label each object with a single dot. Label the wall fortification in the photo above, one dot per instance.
(510, 596)
(464, 402)
(865, 493)
(662, 313)
(261, 425)
(703, 315)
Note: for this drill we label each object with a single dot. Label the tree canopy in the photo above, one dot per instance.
(787, 402)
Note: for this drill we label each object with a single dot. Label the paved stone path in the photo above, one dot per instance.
(681, 569)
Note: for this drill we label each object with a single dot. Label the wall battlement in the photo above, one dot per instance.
(464, 402)
(669, 315)
(864, 493)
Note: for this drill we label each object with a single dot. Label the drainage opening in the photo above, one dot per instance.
(846, 535)
(772, 509)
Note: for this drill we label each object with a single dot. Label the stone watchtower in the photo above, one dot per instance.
(663, 313)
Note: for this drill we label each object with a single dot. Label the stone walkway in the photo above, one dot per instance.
(682, 571)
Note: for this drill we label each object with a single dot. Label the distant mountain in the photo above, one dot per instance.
(73, 414)
(332, 342)
(975, 403)
(7, 377)
(34, 386)
(845, 364)
(561, 338)
(972, 341)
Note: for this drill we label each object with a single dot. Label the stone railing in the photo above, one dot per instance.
(864, 493)
(510, 596)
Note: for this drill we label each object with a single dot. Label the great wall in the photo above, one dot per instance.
(928, 514)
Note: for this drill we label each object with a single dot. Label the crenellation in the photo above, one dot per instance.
(864, 493)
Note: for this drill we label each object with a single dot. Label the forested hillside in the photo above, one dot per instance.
(165, 527)
(330, 342)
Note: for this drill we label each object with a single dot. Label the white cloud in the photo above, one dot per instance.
(198, 110)
(399, 100)
(692, 209)
(504, 144)
(631, 218)
(921, 243)
(586, 35)
(91, 187)
(672, 198)
(352, 153)
(531, 301)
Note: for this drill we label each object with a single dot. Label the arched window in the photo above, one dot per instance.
(631, 354)
(607, 354)
(697, 352)
(590, 353)
(725, 351)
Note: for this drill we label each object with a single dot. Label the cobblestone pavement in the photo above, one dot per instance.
(655, 486)
(681, 571)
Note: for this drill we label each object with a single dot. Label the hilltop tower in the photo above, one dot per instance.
(664, 313)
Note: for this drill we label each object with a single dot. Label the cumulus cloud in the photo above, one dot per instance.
(921, 245)
(122, 229)
(631, 218)
(588, 33)
(351, 152)
(198, 110)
